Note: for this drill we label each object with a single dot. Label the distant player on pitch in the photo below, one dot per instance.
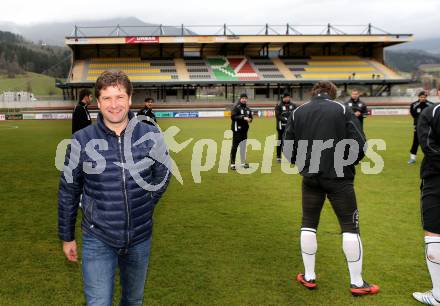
(358, 106)
(415, 110)
(241, 116)
(81, 116)
(147, 111)
(282, 112)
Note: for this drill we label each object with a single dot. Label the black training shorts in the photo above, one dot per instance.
(342, 197)
(430, 204)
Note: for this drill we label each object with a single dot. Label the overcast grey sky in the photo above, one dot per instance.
(421, 17)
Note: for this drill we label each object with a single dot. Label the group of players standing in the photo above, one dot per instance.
(241, 116)
(323, 118)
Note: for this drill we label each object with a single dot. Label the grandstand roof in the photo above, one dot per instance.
(226, 34)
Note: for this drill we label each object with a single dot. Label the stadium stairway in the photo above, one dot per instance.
(288, 75)
(77, 73)
(388, 72)
(267, 70)
(182, 71)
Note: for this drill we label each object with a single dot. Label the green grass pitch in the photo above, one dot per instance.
(231, 240)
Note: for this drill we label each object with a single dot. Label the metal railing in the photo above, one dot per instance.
(228, 30)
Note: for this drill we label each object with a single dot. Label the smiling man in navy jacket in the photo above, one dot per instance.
(119, 176)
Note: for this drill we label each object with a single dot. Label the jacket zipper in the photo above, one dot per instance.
(125, 192)
(88, 214)
(91, 215)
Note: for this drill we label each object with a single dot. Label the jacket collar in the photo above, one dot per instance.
(102, 126)
(321, 97)
(355, 101)
(241, 105)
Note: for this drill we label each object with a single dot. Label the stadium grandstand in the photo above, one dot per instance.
(195, 63)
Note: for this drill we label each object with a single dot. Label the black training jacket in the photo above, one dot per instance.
(326, 120)
(147, 112)
(81, 117)
(416, 109)
(428, 132)
(358, 106)
(282, 113)
(238, 112)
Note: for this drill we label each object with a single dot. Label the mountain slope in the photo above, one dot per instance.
(54, 33)
(430, 45)
(409, 60)
(18, 55)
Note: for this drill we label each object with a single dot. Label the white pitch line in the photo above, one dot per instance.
(8, 127)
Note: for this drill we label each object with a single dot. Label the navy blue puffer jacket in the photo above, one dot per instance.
(111, 176)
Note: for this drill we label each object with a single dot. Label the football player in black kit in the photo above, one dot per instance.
(282, 113)
(415, 110)
(147, 111)
(241, 116)
(428, 132)
(358, 107)
(320, 120)
(81, 116)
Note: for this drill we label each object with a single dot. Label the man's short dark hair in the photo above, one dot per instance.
(148, 99)
(84, 93)
(325, 87)
(422, 93)
(113, 78)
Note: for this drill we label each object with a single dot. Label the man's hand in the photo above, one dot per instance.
(69, 249)
(357, 113)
